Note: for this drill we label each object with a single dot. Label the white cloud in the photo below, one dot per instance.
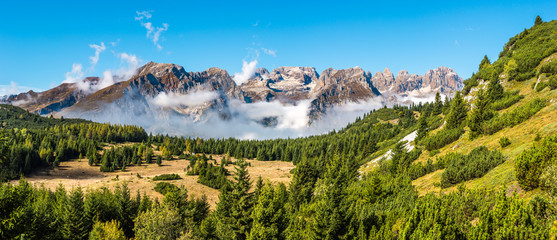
(153, 33)
(270, 52)
(142, 14)
(14, 88)
(248, 70)
(75, 75)
(98, 50)
(132, 63)
(192, 99)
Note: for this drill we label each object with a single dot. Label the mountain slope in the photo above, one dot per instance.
(523, 67)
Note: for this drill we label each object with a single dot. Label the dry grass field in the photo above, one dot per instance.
(76, 173)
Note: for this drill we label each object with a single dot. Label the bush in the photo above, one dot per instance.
(504, 141)
(551, 83)
(167, 177)
(531, 163)
(434, 152)
(165, 187)
(509, 99)
(462, 168)
(441, 138)
(512, 118)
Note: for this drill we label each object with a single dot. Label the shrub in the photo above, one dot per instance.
(504, 142)
(167, 177)
(509, 99)
(530, 164)
(165, 187)
(512, 118)
(462, 168)
(441, 138)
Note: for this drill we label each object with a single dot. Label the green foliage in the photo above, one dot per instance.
(165, 187)
(209, 174)
(531, 163)
(169, 176)
(457, 113)
(161, 222)
(235, 206)
(538, 20)
(159, 160)
(479, 114)
(508, 99)
(493, 216)
(462, 168)
(495, 90)
(504, 142)
(441, 138)
(514, 117)
(485, 63)
(550, 83)
(270, 216)
(107, 231)
(75, 227)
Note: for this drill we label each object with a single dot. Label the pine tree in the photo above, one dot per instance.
(235, 205)
(422, 127)
(477, 115)
(438, 105)
(125, 208)
(458, 112)
(269, 214)
(495, 90)
(106, 165)
(485, 63)
(75, 226)
(538, 20)
(159, 160)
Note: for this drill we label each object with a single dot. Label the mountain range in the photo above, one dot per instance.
(168, 89)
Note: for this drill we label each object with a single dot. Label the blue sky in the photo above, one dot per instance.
(41, 41)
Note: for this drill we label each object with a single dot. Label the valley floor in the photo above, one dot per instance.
(76, 173)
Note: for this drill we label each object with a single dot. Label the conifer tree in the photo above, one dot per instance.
(458, 112)
(478, 114)
(538, 20)
(422, 127)
(75, 226)
(495, 90)
(159, 160)
(438, 105)
(485, 62)
(269, 215)
(235, 205)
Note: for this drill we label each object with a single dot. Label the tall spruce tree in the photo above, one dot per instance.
(269, 215)
(438, 105)
(538, 20)
(235, 205)
(485, 62)
(495, 90)
(479, 114)
(75, 226)
(458, 112)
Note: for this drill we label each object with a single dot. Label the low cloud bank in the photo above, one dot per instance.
(243, 121)
(189, 100)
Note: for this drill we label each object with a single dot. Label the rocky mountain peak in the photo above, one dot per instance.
(160, 70)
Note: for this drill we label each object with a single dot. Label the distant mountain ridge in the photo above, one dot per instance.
(287, 85)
